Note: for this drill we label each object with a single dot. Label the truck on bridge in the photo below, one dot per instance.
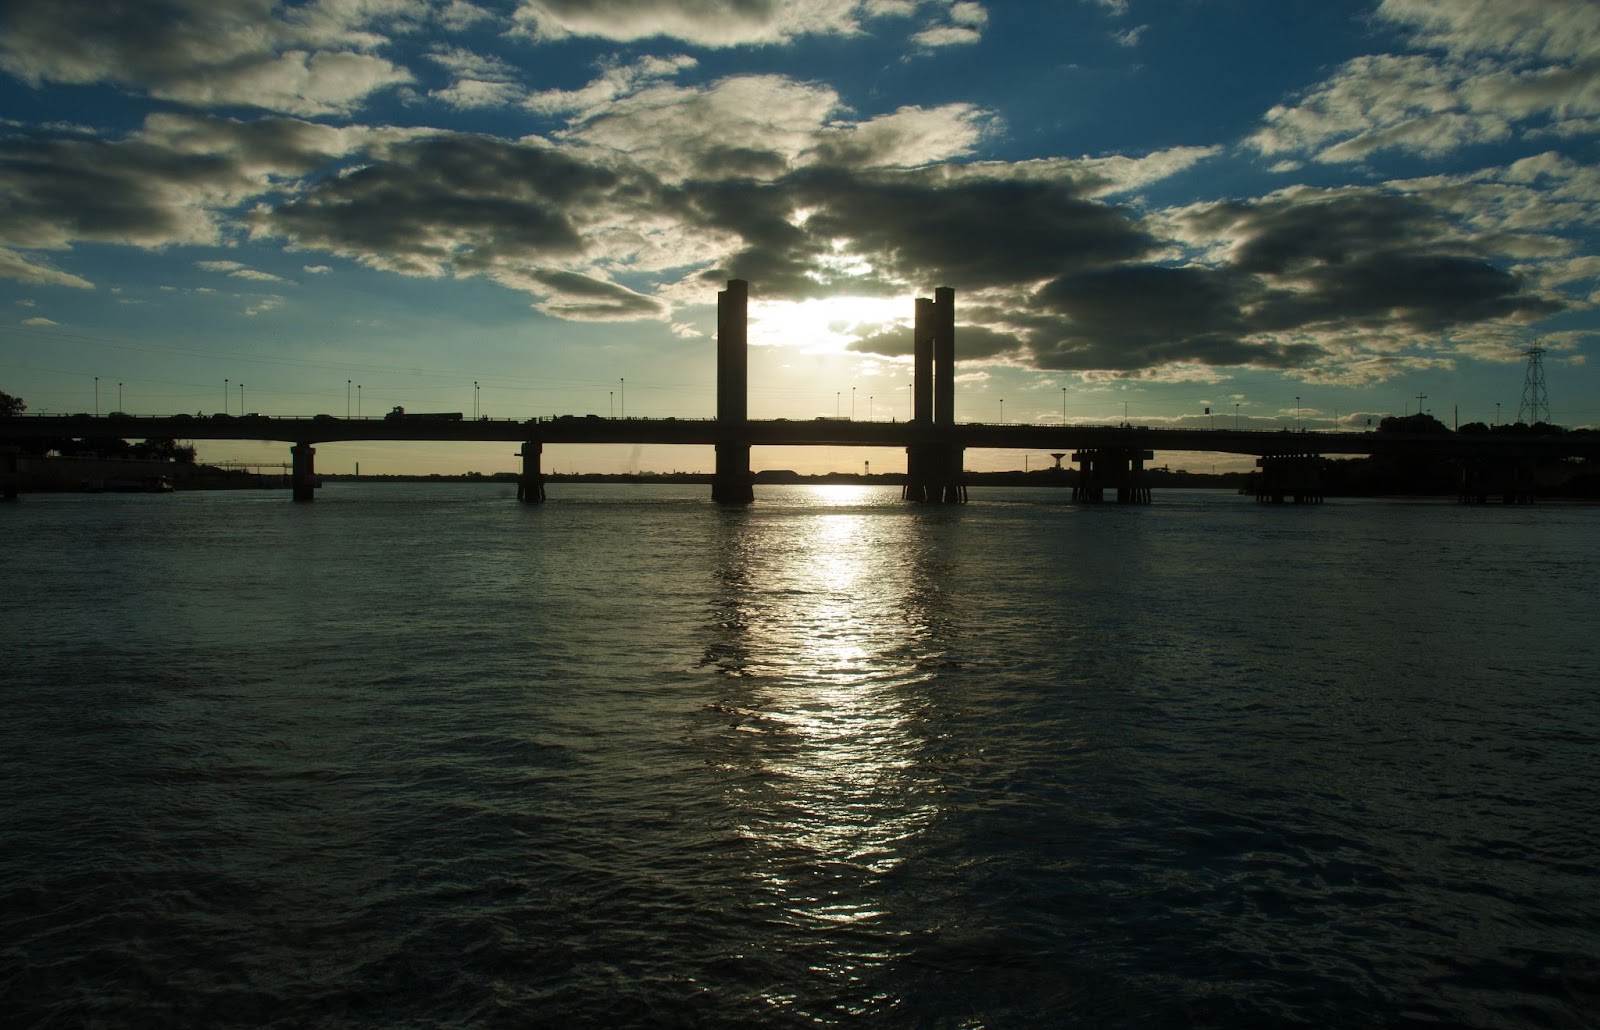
(401, 414)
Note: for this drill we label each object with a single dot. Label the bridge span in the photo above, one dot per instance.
(1108, 457)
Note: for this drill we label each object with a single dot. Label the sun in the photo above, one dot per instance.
(825, 325)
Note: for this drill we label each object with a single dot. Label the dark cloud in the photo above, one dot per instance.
(1146, 316)
(1296, 277)
(160, 186)
(464, 203)
(308, 59)
(973, 342)
(975, 232)
(1426, 292)
(583, 298)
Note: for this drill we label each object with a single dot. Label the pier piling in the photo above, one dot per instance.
(303, 474)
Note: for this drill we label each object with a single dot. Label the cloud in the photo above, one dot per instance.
(164, 184)
(1542, 29)
(318, 270)
(708, 23)
(1485, 72)
(37, 320)
(309, 60)
(14, 266)
(1129, 37)
(239, 271)
(973, 342)
(680, 131)
(615, 80)
(966, 22)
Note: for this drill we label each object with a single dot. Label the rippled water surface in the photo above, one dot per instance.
(417, 755)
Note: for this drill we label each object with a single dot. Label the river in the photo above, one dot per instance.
(417, 755)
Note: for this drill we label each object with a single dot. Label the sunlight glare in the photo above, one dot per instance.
(825, 325)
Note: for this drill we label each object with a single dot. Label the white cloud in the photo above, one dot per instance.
(39, 321)
(1541, 29)
(318, 269)
(1490, 71)
(458, 15)
(238, 271)
(312, 60)
(965, 24)
(947, 35)
(710, 23)
(1129, 37)
(477, 94)
(673, 130)
(14, 266)
(614, 81)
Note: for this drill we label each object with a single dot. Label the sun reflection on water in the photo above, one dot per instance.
(823, 635)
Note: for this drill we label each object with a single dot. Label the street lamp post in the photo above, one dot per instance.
(358, 400)
(96, 396)
(224, 396)
(1002, 411)
(611, 399)
(1235, 416)
(1063, 405)
(241, 398)
(852, 404)
(1297, 412)
(869, 407)
(119, 396)
(347, 398)
(623, 396)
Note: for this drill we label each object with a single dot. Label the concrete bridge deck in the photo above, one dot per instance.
(570, 429)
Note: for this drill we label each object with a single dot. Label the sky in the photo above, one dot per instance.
(1291, 212)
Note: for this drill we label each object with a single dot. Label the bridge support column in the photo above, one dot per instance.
(934, 471)
(1121, 468)
(732, 482)
(9, 475)
(1289, 476)
(530, 484)
(303, 473)
(1510, 478)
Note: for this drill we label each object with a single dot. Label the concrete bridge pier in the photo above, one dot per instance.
(934, 468)
(934, 474)
(732, 482)
(530, 484)
(9, 474)
(1121, 468)
(1089, 489)
(1289, 476)
(1511, 479)
(303, 472)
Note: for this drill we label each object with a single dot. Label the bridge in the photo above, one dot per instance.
(1109, 457)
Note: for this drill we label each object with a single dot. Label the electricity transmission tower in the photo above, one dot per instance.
(1535, 406)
